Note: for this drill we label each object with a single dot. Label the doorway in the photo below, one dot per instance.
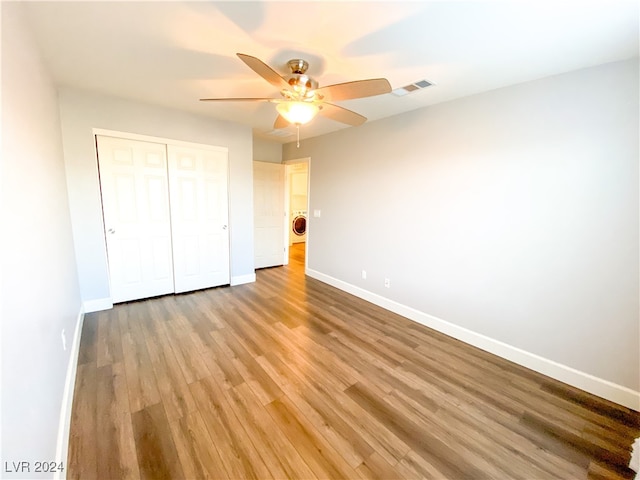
(297, 182)
(281, 205)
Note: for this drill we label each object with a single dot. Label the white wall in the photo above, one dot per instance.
(266, 151)
(512, 215)
(40, 294)
(82, 111)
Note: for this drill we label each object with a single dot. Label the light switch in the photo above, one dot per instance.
(316, 213)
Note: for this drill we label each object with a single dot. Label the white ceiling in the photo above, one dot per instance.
(173, 53)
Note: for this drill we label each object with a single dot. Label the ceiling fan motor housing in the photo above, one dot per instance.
(302, 84)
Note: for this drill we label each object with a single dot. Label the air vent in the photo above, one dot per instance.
(279, 133)
(412, 87)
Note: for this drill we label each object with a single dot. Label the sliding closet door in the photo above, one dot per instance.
(198, 183)
(133, 180)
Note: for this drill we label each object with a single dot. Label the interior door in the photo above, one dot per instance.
(198, 186)
(269, 214)
(133, 180)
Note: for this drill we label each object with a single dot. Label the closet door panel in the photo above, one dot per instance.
(198, 186)
(134, 184)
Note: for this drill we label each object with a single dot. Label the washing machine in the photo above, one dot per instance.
(298, 226)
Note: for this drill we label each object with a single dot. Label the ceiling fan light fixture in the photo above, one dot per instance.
(298, 113)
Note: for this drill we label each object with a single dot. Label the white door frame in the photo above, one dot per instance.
(287, 208)
(150, 138)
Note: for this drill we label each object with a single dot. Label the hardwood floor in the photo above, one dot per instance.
(291, 378)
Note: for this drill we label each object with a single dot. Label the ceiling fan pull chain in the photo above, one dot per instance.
(298, 129)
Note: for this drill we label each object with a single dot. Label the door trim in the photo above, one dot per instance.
(164, 141)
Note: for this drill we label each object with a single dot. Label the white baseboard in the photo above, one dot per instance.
(97, 305)
(242, 279)
(584, 381)
(62, 447)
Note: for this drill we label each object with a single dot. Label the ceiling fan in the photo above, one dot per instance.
(302, 99)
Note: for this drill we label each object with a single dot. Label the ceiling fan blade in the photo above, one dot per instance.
(356, 89)
(280, 122)
(234, 99)
(342, 115)
(264, 70)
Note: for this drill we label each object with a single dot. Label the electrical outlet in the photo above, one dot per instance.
(364, 274)
(64, 340)
(387, 283)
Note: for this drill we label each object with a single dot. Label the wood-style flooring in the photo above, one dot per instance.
(290, 378)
